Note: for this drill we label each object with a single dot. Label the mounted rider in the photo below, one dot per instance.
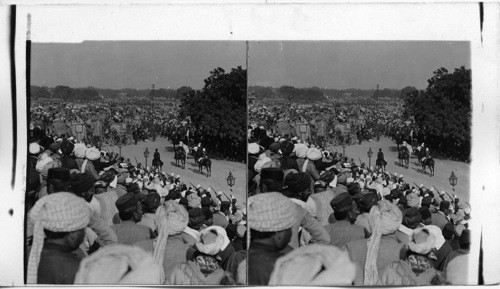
(184, 147)
(427, 154)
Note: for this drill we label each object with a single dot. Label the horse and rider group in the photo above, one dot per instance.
(422, 153)
(199, 154)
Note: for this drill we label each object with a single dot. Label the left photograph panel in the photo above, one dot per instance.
(136, 163)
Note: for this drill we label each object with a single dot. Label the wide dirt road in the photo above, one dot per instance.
(442, 167)
(220, 168)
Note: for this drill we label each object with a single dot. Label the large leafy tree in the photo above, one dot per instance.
(442, 112)
(219, 111)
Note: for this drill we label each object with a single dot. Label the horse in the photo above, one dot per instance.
(428, 162)
(180, 157)
(404, 156)
(207, 163)
(381, 163)
(157, 164)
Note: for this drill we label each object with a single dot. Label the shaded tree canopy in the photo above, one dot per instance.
(219, 111)
(442, 112)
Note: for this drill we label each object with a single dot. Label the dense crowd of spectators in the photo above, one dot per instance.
(315, 217)
(95, 218)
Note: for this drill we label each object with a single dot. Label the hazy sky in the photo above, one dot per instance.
(352, 64)
(132, 64)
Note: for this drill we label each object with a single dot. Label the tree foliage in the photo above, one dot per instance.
(442, 112)
(219, 111)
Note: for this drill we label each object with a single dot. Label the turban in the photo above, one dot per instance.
(196, 217)
(108, 176)
(194, 201)
(58, 212)
(366, 202)
(254, 148)
(412, 218)
(48, 166)
(127, 203)
(385, 218)
(459, 229)
(341, 202)
(342, 179)
(286, 148)
(92, 154)
(448, 230)
(206, 201)
(426, 201)
(271, 212)
(425, 213)
(212, 240)
(423, 242)
(327, 177)
(301, 150)
(80, 150)
(354, 188)
(150, 202)
(438, 235)
(35, 148)
(457, 271)
(42, 163)
(313, 154)
(314, 265)
(298, 182)
(54, 147)
(260, 163)
(67, 148)
(82, 183)
(274, 147)
(172, 220)
(413, 200)
(119, 264)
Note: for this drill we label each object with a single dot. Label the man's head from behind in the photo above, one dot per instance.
(271, 217)
(129, 208)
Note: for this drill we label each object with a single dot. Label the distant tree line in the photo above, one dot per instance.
(94, 94)
(318, 94)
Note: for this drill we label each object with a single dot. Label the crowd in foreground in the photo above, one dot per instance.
(95, 218)
(317, 218)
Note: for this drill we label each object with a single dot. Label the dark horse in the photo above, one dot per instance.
(380, 163)
(404, 156)
(180, 157)
(157, 164)
(428, 162)
(207, 163)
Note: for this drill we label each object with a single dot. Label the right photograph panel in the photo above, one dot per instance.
(359, 163)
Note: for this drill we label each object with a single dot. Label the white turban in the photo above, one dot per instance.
(80, 150)
(212, 247)
(314, 265)
(119, 264)
(313, 154)
(385, 218)
(172, 219)
(301, 150)
(58, 212)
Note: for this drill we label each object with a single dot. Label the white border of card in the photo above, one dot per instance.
(358, 21)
